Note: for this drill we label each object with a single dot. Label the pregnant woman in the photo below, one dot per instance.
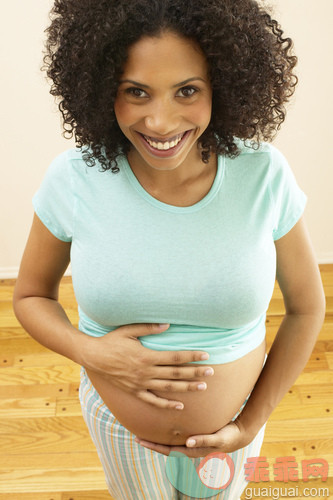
(177, 215)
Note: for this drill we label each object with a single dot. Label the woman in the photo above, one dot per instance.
(174, 258)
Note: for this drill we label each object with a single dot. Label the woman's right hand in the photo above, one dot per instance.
(117, 356)
(120, 358)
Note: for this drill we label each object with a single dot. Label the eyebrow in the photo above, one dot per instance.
(180, 84)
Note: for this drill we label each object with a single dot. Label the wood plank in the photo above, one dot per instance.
(33, 496)
(292, 412)
(317, 362)
(316, 393)
(23, 346)
(69, 406)
(314, 378)
(27, 408)
(324, 347)
(326, 333)
(284, 449)
(319, 447)
(7, 315)
(39, 480)
(44, 358)
(93, 495)
(67, 495)
(42, 435)
(38, 390)
(329, 358)
(292, 397)
(28, 375)
(51, 460)
(329, 305)
(14, 332)
(27, 352)
(298, 429)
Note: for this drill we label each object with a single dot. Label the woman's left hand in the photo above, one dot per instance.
(230, 438)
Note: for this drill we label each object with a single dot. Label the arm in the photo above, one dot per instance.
(300, 283)
(299, 279)
(118, 356)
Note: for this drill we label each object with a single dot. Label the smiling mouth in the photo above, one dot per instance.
(164, 145)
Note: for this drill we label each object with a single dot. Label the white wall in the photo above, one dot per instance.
(30, 135)
(306, 137)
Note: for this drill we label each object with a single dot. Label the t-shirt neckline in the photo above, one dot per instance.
(173, 208)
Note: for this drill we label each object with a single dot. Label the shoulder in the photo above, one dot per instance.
(63, 173)
(263, 151)
(264, 158)
(255, 158)
(69, 166)
(66, 161)
(74, 160)
(70, 173)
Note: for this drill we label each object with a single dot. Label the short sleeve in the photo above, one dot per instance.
(288, 199)
(54, 200)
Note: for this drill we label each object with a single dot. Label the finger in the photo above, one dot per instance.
(181, 372)
(160, 448)
(162, 357)
(142, 329)
(166, 450)
(203, 441)
(167, 404)
(178, 357)
(225, 439)
(181, 386)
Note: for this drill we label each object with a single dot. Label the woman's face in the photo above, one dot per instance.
(164, 101)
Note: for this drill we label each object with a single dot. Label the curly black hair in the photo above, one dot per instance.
(250, 62)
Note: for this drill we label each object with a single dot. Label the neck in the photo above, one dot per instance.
(172, 178)
(183, 186)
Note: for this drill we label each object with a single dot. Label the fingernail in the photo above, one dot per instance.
(209, 371)
(163, 325)
(204, 356)
(179, 407)
(191, 442)
(202, 386)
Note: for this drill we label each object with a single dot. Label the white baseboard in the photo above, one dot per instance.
(325, 258)
(7, 273)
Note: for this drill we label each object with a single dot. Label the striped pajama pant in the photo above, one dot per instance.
(136, 473)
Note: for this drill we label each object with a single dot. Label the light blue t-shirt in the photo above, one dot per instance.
(207, 269)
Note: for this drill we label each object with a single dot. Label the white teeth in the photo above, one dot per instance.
(164, 146)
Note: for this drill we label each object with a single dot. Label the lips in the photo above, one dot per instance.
(164, 148)
(166, 144)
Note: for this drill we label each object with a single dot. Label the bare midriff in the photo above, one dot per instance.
(204, 412)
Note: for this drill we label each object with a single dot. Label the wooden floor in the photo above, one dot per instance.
(46, 452)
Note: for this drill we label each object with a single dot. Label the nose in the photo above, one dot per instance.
(162, 118)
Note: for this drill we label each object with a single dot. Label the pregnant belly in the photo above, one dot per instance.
(204, 412)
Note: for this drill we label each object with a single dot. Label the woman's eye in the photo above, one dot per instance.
(187, 91)
(136, 92)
